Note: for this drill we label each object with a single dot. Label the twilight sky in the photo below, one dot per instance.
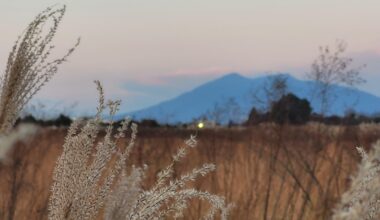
(147, 51)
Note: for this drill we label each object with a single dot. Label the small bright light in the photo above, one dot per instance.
(200, 125)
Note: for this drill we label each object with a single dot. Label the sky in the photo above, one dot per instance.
(145, 52)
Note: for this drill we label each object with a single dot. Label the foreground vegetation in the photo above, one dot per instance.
(269, 172)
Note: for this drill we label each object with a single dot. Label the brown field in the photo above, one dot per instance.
(268, 172)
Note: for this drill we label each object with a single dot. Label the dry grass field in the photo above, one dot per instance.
(267, 171)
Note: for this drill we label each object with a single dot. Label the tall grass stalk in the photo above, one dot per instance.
(362, 200)
(28, 67)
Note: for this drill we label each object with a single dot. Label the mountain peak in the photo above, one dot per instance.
(232, 76)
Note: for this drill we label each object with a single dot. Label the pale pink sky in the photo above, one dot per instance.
(149, 42)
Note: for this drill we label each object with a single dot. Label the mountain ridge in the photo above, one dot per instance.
(239, 91)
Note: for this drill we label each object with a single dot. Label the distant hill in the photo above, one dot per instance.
(242, 93)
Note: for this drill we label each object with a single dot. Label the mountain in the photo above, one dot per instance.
(232, 96)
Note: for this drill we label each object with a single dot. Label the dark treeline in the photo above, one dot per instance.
(289, 109)
(61, 120)
(65, 121)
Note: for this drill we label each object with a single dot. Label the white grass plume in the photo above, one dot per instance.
(362, 200)
(169, 197)
(81, 186)
(28, 67)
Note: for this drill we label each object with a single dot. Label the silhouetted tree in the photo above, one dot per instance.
(329, 68)
(256, 117)
(290, 109)
(226, 112)
(62, 120)
(270, 91)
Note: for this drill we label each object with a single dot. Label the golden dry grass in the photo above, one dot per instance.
(269, 172)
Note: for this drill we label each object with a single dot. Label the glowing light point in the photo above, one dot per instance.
(201, 125)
